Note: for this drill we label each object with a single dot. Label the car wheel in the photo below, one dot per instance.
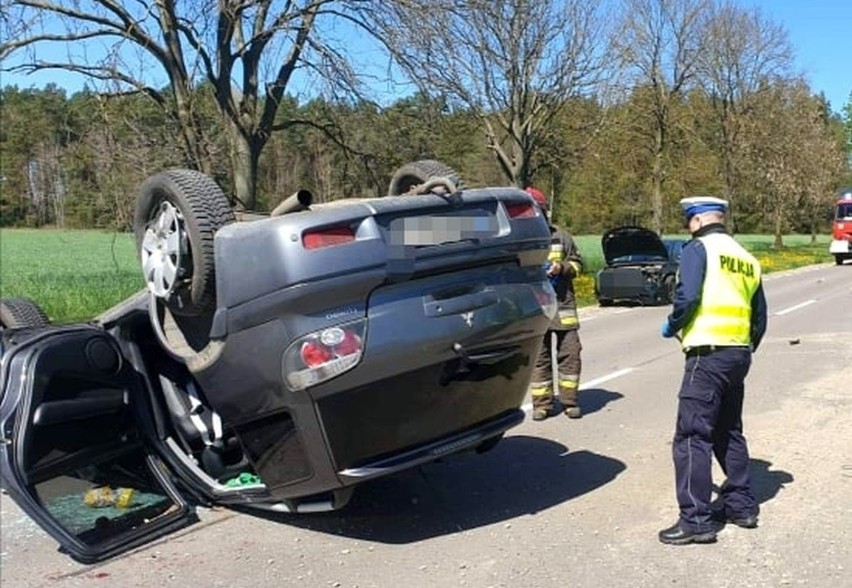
(605, 302)
(177, 214)
(669, 285)
(421, 176)
(21, 312)
(838, 259)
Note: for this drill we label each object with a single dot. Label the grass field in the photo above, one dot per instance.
(75, 275)
(72, 275)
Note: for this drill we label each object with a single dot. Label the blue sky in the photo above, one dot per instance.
(820, 32)
(821, 35)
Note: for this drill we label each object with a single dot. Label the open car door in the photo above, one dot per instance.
(75, 451)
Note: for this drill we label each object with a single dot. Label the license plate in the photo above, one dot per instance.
(436, 230)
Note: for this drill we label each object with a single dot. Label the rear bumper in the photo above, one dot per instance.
(452, 444)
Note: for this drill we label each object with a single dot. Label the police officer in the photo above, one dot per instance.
(719, 315)
(559, 357)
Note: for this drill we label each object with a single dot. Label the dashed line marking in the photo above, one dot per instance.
(794, 308)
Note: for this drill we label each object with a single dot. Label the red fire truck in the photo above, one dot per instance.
(841, 243)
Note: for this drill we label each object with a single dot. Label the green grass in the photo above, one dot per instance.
(72, 275)
(75, 275)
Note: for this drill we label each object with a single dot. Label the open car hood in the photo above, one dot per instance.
(629, 244)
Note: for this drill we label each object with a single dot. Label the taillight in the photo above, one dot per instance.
(322, 355)
(328, 237)
(521, 210)
(314, 354)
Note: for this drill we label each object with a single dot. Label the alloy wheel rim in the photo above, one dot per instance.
(163, 250)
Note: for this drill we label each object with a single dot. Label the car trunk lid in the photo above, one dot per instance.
(632, 245)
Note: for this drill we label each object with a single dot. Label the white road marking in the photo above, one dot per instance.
(792, 308)
(606, 378)
(591, 383)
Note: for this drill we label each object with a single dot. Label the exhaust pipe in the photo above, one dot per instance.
(301, 200)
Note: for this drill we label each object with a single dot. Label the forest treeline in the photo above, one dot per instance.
(78, 161)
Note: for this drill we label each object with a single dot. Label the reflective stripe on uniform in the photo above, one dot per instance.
(557, 252)
(568, 317)
(541, 391)
(576, 267)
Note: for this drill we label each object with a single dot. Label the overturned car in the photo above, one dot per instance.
(275, 363)
(640, 267)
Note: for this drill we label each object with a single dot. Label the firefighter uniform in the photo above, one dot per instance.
(719, 314)
(560, 354)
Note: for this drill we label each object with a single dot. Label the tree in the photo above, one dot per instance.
(35, 129)
(743, 54)
(513, 64)
(247, 51)
(793, 154)
(847, 126)
(659, 43)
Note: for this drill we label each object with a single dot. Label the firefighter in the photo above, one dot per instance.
(558, 363)
(719, 315)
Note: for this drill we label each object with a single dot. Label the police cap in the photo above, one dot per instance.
(698, 204)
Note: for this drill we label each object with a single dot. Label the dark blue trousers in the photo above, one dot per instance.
(709, 421)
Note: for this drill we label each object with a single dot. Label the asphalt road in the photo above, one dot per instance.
(558, 503)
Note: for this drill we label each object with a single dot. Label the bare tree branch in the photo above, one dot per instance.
(247, 50)
(515, 64)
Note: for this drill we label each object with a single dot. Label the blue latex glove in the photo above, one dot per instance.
(666, 330)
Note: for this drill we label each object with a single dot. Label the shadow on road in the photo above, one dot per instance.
(767, 482)
(595, 399)
(522, 475)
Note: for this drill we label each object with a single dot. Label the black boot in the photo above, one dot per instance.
(676, 535)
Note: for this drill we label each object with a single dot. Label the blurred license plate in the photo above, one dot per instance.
(434, 230)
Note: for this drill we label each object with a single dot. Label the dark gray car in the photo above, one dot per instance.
(640, 267)
(275, 363)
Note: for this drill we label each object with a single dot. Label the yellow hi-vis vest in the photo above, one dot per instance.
(731, 278)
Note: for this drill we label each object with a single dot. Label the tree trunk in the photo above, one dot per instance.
(244, 156)
(729, 187)
(657, 179)
(193, 147)
(779, 217)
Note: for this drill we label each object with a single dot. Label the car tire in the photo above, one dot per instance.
(604, 303)
(421, 173)
(21, 312)
(669, 285)
(838, 259)
(177, 215)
